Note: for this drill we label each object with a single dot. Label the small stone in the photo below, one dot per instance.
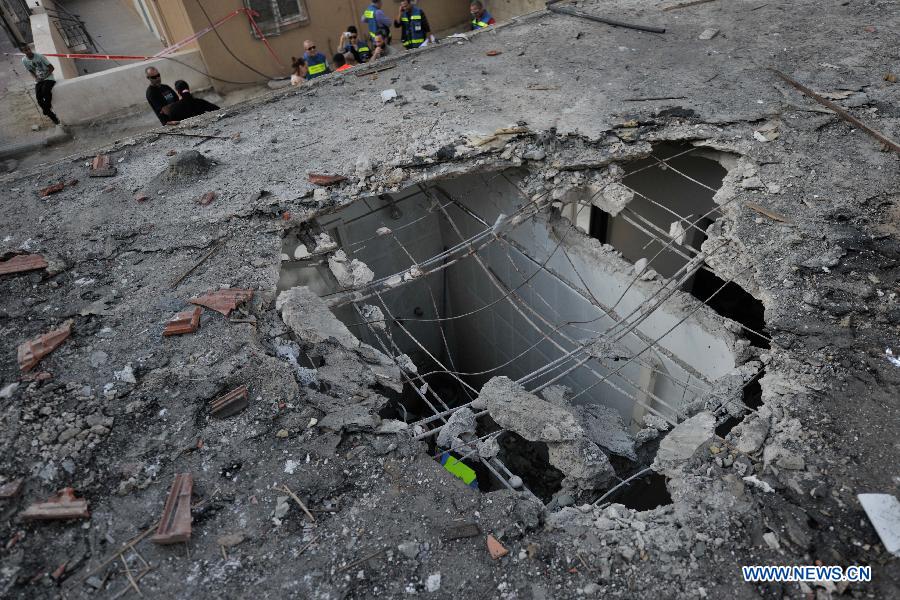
(98, 358)
(282, 433)
(536, 154)
(708, 34)
(230, 539)
(126, 375)
(409, 549)
(8, 391)
(433, 583)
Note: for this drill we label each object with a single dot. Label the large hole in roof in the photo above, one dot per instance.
(473, 280)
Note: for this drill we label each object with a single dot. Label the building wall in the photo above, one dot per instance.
(172, 21)
(503, 10)
(327, 19)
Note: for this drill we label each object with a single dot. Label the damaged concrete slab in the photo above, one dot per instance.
(579, 271)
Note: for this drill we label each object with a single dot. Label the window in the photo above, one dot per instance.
(277, 15)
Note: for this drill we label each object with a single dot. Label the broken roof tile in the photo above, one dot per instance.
(231, 403)
(32, 351)
(206, 198)
(52, 189)
(496, 549)
(22, 263)
(187, 321)
(223, 301)
(140, 197)
(11, 489)
(175, 523)
(62, 506)
(326, 180)
(101, 167)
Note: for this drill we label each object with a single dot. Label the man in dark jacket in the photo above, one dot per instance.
(158, 93)
(187, 107)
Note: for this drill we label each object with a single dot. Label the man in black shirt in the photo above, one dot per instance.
(187, 107)
(158, 93)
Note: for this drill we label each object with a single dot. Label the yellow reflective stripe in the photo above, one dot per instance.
(363, 49)
(369, 14)
(417, 17)
(316, 69)
(460, 470)
(479, 23)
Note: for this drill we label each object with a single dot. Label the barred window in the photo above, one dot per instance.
(276, 15)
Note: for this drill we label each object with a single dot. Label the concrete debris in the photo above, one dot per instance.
(126, 375)
(301, 252)
(407, 365)
(310, 319)
(353, 418)
(759, 484)
(231, 403)
(827, 259)
(677, 232)
(22, 263)
(175, 523)
(8, 390)
(488, 449)
(186, 166)
(184, 322)
(883, 511)
(324, 243)
(708, 34)
(614, 198)
(680, 444)
(462, 421)
(60, 507)
(375, 318)
(391, 427)
(350, 274)
(101, 167)
(893, 359)
(605, 428)
(30, 353)
(223, 301)
(513, 408)
(656, 422)
(206, 199)
(536, 420)
(326, 180)
(751, 433)
(495, 548)
(388, 96)
(771, 541)
(461, 531)
(11, 489)
(433, 583)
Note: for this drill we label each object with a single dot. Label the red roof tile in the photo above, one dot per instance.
(22, 263)
(32, 351)
(223, 301)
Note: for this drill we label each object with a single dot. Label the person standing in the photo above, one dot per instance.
(480, 17)
(42, 72)
(413, 24)
(378, 22)
(352, 47)
(159, 94)
(316, 63)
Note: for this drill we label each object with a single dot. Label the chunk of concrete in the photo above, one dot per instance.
(681, 443)
(460, 422)
(583, 463)
(350, 274)
(883, 511)
(614, 198)
(353, 418)
(605, 428)
(310, 319)
(536, 420)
